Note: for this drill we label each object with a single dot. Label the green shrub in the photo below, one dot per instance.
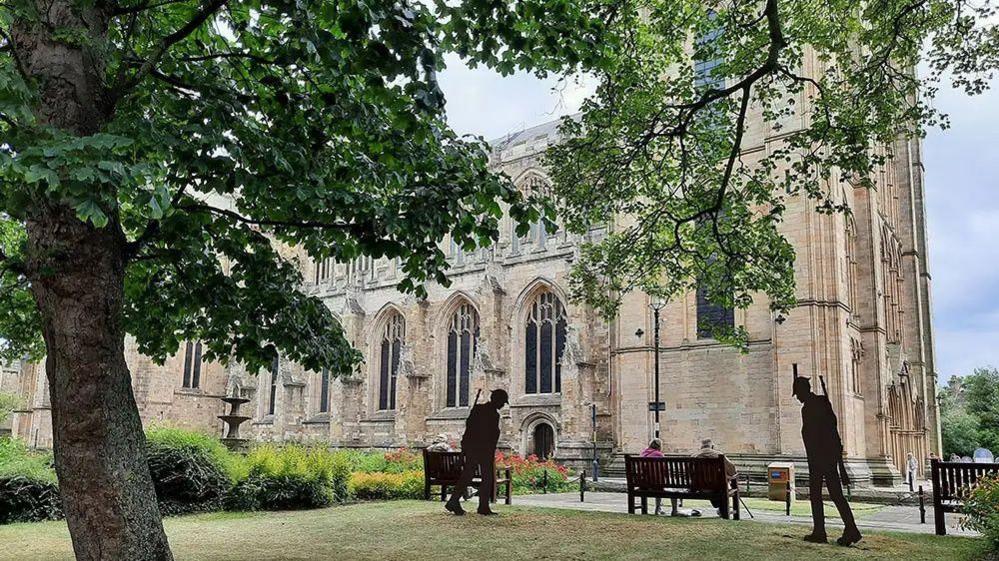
(387, 486)
(28, 488)
(290, 477)
(192, 472)
(981, 509)
(397, 461)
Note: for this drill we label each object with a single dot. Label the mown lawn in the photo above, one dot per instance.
(418, 531)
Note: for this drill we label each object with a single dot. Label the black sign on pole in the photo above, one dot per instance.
(654, 406)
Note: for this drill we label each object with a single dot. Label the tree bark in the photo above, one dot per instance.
(100, 456)
(77, 277)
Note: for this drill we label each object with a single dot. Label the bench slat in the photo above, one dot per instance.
(952, 482)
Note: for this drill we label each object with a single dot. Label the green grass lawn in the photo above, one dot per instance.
(418, 531)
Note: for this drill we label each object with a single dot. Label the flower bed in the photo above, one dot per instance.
(532, 475)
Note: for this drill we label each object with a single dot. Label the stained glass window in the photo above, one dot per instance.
(461, 343)
(391, 347)
(544, 344)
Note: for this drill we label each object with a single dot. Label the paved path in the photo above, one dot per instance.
(890, 518)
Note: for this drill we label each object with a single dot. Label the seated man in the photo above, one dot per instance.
(441, 443)
(708, 451)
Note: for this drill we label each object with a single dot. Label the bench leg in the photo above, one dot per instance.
(938, 519)
(443, 492)
(426, 491)
(631, 504)
(645, 505)
(508, 497)
(735, 505)
(724, 508)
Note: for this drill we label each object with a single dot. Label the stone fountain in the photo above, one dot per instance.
(232, 440)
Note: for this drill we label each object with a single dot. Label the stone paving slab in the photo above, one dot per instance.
(898, 494)
(889, 518)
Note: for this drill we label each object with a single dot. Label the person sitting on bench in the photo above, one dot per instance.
(655, 450)
(708, 450)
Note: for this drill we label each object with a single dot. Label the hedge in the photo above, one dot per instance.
(28, 488)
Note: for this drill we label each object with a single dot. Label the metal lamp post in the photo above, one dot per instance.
(656, 304)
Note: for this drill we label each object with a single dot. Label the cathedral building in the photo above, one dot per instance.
(580, 385)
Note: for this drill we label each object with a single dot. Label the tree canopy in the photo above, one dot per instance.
(321, 124)
(969, 413)
(218, 127)
(663, 141)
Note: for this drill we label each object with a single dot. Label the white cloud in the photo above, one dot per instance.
(482, 102)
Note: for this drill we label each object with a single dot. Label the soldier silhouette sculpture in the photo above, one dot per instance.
(825, 461)
(478, 445)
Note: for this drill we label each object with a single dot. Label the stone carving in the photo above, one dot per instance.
(572, 354)
(481, 362)
(406, 366)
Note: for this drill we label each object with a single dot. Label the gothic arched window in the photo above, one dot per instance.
(544, 342)
(462, 339)
(388, 363)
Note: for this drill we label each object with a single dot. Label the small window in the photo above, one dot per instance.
(323, 270)
(273, 394)
(192, 365)
(324, 391)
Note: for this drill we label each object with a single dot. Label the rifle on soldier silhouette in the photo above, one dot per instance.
(841, 465)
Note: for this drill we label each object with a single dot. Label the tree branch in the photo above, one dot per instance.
(127, 10)
(207, 9)
(314, 224)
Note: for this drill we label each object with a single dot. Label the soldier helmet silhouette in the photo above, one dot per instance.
(499, 398)
(801, 387)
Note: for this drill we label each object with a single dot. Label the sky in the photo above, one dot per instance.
(962, 195)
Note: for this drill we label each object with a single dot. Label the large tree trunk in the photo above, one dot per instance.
(100, 456)
(77, 275)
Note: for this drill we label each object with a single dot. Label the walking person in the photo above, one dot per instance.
(478, 445)
(911, 468)
(824, 451)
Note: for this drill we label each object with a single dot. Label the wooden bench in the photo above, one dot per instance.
(444, 469)
(680, 477)
(952, 482)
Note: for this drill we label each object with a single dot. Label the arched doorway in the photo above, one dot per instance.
(544, 441)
